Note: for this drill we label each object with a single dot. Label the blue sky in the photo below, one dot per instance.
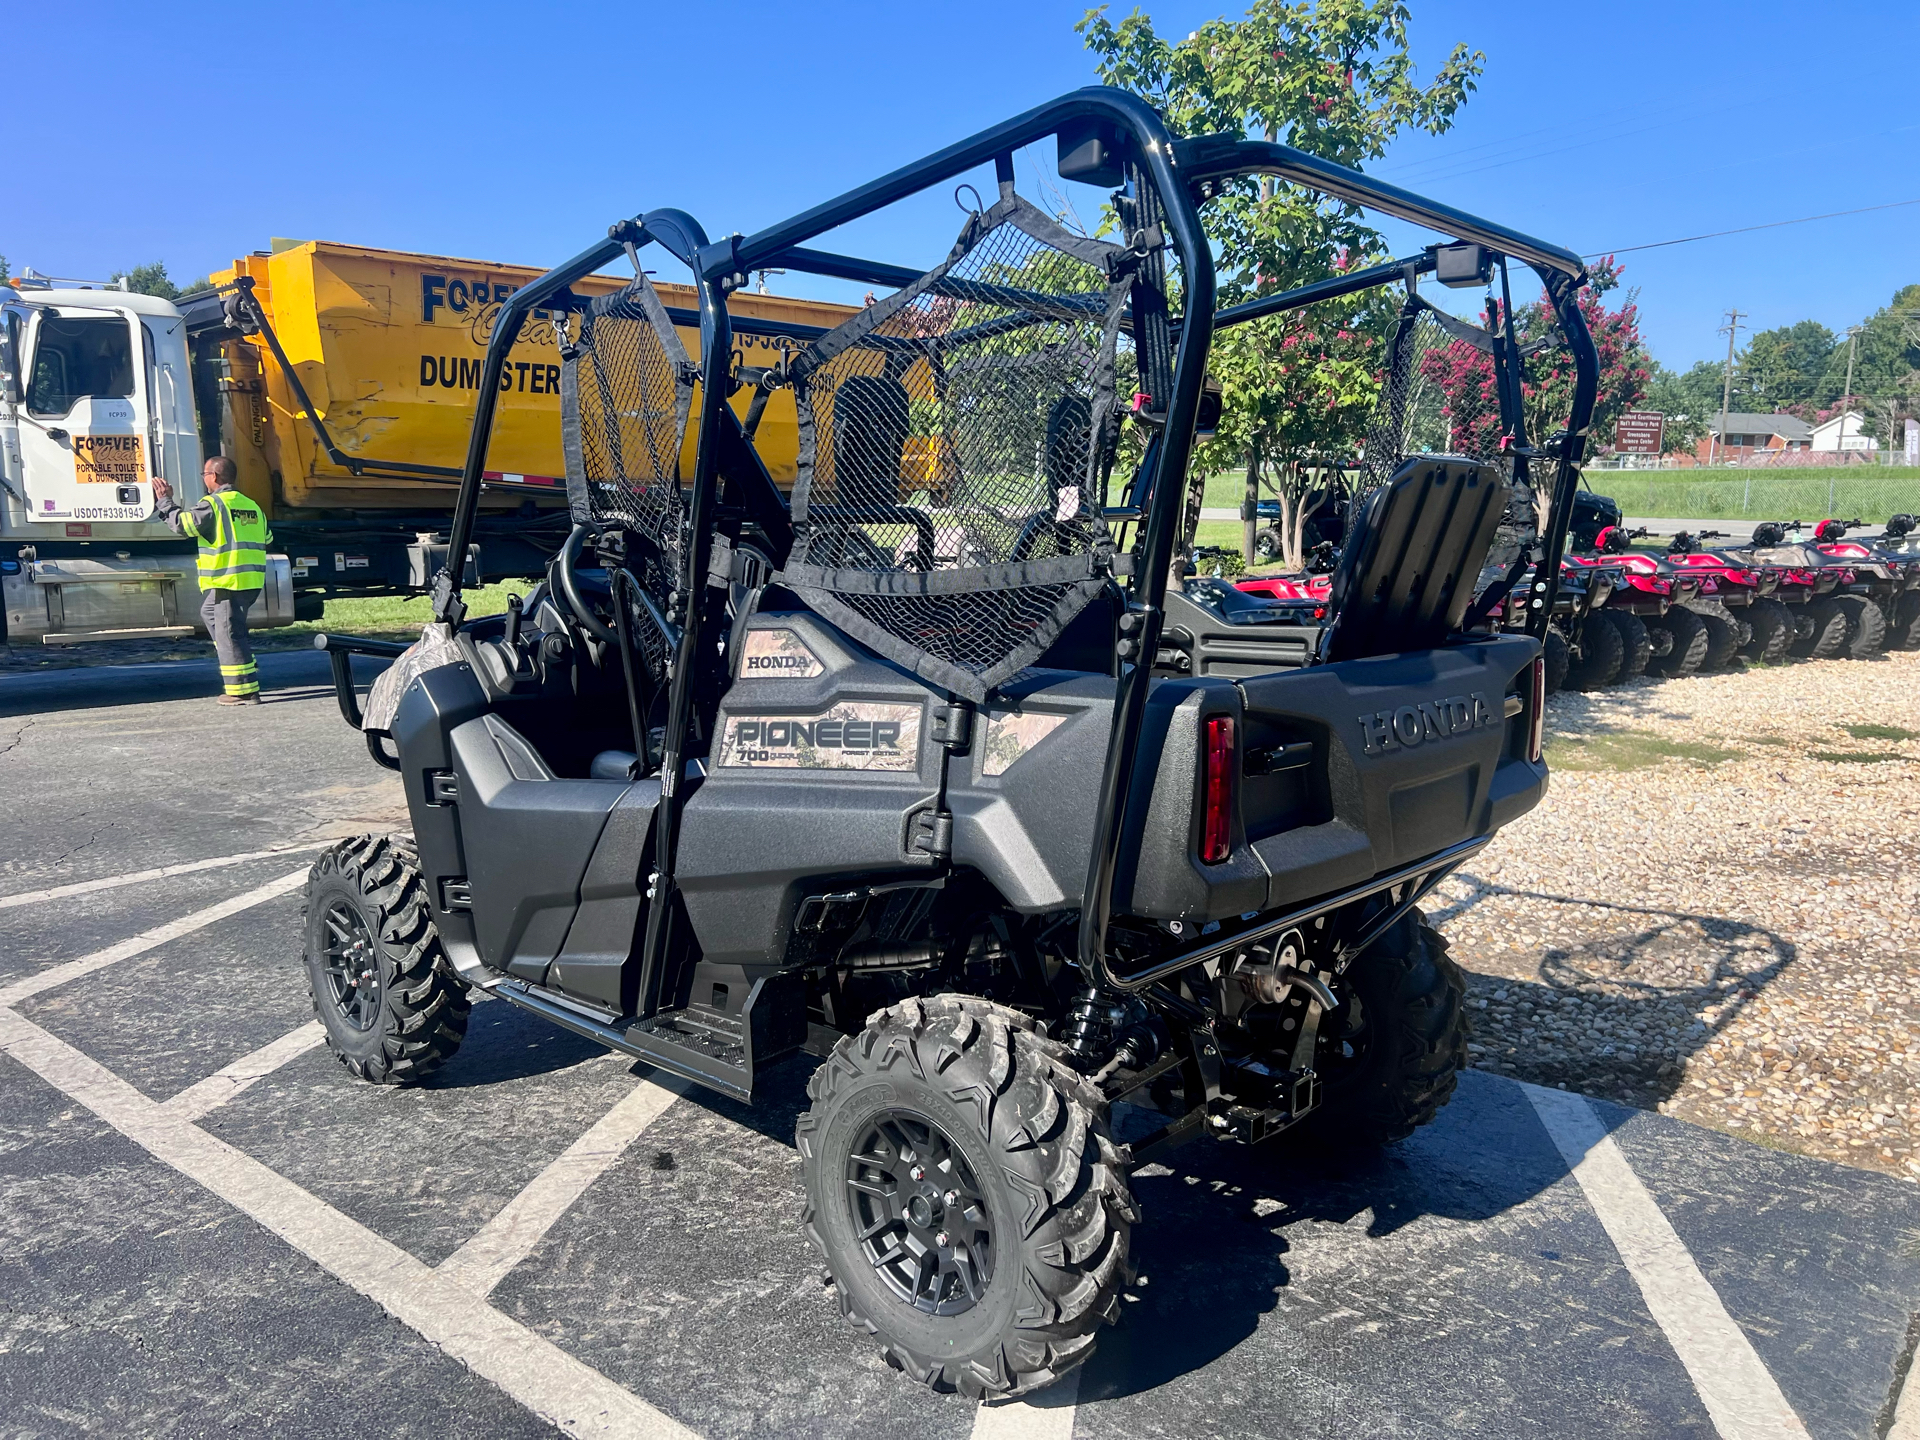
(516, 133)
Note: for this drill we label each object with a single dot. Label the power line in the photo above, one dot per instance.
(1746, 229)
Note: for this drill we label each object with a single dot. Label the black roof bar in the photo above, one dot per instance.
(1330, 288)
(1220, 157)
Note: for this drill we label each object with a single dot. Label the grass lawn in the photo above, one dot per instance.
(393, 617)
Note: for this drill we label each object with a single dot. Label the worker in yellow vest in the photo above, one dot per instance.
(233, 537)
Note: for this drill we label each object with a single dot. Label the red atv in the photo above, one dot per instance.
(1830, 620)
(1888, 579)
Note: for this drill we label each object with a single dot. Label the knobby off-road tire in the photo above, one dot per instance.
(393, 1009)
(1559, 657)
(1772, 626)
(1637, 647)
(1398, 1042)
(1904, 633)
(1723, 634)
(1829, 633)
(1602, 652)
(1689, 649)
(1866, 626)
(1023, 1153)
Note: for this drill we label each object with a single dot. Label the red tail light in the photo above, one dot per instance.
(1216, 832)
(1537, 711)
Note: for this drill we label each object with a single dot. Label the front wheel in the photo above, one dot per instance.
(1266, 547)
(1390, 1054)
(962, 1186)
(382, 987)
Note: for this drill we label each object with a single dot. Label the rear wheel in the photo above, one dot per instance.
(382, 987)
(1266, 547)
(1826, 636)
(1686, 649)
(1772, 626)
(1637, 648)
(1602, 652)
(1723, 637)
(1391, 1053)
(1559, 658)
(1866, 626)
(962, 1186)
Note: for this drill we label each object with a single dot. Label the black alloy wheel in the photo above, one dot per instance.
(919, 1215)
(352, 964)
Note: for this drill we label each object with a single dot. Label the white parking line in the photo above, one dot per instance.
(57, 975)
(528, 1367)
(164, 872)
(1735, 1385)
(510, 1236)
(1018, 1420)
(1906, 1414)
(209, 1094)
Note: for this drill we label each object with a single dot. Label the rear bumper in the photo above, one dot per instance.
(1411, 755)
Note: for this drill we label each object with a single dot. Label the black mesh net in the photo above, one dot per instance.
(955, 439)
(1440, 397)
(626, 388)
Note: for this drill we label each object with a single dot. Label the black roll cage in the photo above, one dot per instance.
(1183, 174)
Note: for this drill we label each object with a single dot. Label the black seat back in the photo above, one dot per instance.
(1413, 555)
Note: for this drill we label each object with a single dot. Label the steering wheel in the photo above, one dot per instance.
(570, 588)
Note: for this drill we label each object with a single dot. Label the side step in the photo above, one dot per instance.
(721, 1052)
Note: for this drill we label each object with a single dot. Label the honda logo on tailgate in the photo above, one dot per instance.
(1412, 725)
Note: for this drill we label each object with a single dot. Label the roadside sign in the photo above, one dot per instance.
(1913, 442)
(1639, 432)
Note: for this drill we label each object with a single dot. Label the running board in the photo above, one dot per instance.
(772, 1026)
(630, 1038)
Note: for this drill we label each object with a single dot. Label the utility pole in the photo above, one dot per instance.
(1732, 329)
(1846, 398)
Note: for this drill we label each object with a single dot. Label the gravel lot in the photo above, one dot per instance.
(1715, 912)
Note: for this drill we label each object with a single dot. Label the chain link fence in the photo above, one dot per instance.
(1762, 495)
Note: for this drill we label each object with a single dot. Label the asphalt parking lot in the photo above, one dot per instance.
(208, 1228)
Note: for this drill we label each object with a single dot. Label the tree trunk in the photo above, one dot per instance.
(1250, 504)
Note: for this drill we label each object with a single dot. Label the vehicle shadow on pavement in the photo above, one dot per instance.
(1213, 1256)
(506, 1043)
(1620, 1014)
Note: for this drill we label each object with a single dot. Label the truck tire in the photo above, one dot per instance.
(1391, 1054)
(1688, 643)
(1866, 626)
(1827, 635)
(1559, 657)
(1017, 1152)
(393, 1009)
(1772, 626)
(1602, 652)
(1637, 648)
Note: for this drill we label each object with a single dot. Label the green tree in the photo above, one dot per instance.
(152, 280)
(1784, 367)
(1688, 399)
(1335, 78)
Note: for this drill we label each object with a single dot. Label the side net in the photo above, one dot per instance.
(626, 389)
(955, 440)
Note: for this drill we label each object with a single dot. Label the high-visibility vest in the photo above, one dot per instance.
(236, 557)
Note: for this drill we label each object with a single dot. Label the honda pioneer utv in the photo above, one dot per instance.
(882, 769)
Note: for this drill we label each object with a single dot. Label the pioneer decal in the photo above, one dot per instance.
(1412, 725)
(851, 736)
(778, 653)
(1009, 737)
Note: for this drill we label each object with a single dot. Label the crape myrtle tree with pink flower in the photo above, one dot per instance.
(1336, 79)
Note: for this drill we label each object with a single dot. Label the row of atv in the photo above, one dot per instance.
(1623, 612)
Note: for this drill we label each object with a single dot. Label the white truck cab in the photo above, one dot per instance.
(96, 398)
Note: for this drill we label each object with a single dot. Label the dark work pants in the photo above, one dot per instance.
(225, 614)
